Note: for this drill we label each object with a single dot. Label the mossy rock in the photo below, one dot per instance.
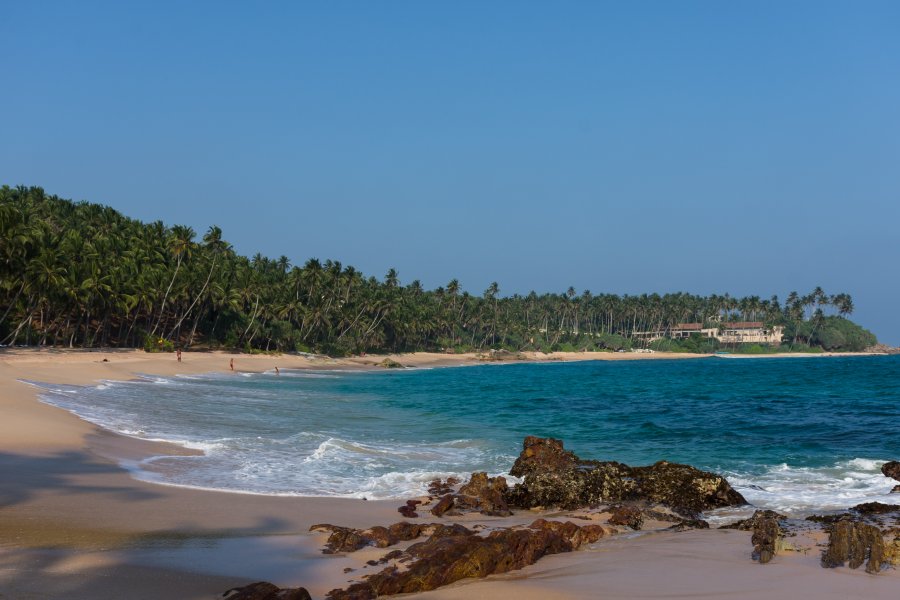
(389, 363)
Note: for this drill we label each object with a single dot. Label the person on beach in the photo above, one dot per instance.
(178, 354)
(277, 372)
(231, 364)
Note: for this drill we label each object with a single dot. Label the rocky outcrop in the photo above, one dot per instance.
(263, 590)
(766, 539)
(751, 523)
(389, 363)
(481, 493)
(891, 469)
(487, 494)
(876, 508)
(440, 487)
(443, 506)
(627, 516)
(883, 349)
(441, 560)
(408, 510)
(346, 539)
(855, 543)
(554, 476)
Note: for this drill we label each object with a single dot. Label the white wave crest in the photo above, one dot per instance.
(801, 490)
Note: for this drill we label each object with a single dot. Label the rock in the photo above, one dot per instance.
(766, 538)
(408, 510)
(557, 477)
(341, 539)
(454, 530)
(875, 508)
(896, 489)
(345, 539)
(263, 590)
(540, 455)
(388, 363)
(445, 504)
(689, 524)
(829, 519)
(883, 349)
(855, 542)
(486, 494)
(628, 516)
(441, 560)
(751, 523)
(680, 522)
(767, 533)
(891, 469)
(404, 531)
(442, 488)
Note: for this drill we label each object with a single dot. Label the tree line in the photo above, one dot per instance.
(77, 274)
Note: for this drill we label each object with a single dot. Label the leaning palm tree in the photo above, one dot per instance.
(216, 246)
(181, 242)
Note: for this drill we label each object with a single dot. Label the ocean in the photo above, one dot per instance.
(798, 435)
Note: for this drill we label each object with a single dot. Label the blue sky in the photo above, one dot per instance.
(741, 147)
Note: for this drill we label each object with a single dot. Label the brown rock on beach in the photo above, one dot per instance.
(444, 559)
(554, 476)
(263, 590)
(855, 543)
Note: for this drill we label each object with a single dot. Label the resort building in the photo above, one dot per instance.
(743, 332)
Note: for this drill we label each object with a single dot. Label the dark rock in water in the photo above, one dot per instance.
(442, 488)
(855, 543)
(486, 494)
(557, 477)
(829, 519)
(263, 590)
(628, 516)
(389, 363)
(896, 489)
(345, 539)
(440, 560)
(875, 508)
(891, 469)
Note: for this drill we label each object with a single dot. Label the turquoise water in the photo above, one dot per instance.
(793, 434)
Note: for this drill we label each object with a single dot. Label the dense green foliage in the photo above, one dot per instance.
(832, 333)
(81, 274)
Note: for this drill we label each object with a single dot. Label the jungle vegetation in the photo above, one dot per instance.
(78, 274)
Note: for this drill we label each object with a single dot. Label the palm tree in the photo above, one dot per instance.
(180, 244)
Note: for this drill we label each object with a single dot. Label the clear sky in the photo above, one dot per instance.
(741, 147)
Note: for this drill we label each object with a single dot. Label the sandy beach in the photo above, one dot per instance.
(75, 524)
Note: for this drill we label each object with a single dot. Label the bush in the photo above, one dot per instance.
(158, 344)
(753, 349)
(613, 341)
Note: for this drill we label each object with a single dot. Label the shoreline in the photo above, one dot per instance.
(67, 505)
